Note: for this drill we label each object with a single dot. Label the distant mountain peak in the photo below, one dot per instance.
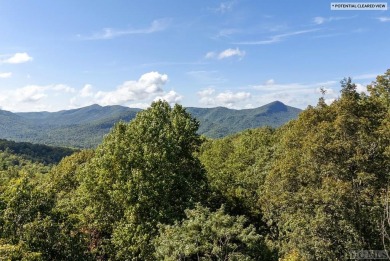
(93, 106)
(277, 102)
(276, 106)
(86, 126)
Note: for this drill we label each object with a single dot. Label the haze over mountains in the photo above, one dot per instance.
(85, 127)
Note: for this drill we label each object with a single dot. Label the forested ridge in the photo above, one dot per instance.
(315, 188)
(85, 127)
(35, 152)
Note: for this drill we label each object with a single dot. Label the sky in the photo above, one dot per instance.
(59, 55)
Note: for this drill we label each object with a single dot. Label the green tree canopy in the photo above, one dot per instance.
(206, 235)
(144, 172)
(236, 167)
(321, 198)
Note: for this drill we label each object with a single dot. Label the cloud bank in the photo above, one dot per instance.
(133, 93)
(17, 58)
(209, 97)
(5, 75)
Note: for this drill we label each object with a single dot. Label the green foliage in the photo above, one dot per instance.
(313, 189)
(321, 197)
(64, 178)
(35, 152)
(23, 204)
(206, 235)
(236, 167)
(144, 173)
(17, 252)
(10, 164)
(31, 224)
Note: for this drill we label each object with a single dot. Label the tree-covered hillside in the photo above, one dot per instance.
(86, 127)
(78, 128)
(315, 188)
(86, 115)
(220, 122)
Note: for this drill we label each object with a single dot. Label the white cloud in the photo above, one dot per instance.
(225, 54)
(135, 93)
(294, 94)
(138, 93)
(5, 75)
(206, 92)
(153, 81)
(230, 53)
(329, 101)
(86, 91)
(277, 38)
(271, 85)
(170, 97)
(18, 58)
(140, 105)
(299, 94)
(361, 88)
(110, 33)
(384, 19)
(229, 99)
(206, 97)
(35, 97)
(30, 93)
(62, 88)
(149, 85)
(207, 101)
(35, 93)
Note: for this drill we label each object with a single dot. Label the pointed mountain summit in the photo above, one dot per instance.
(220, 121)
(276, 106)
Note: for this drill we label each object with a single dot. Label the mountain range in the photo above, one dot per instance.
(85, 127)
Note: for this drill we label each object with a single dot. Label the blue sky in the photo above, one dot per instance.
(57, 55)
